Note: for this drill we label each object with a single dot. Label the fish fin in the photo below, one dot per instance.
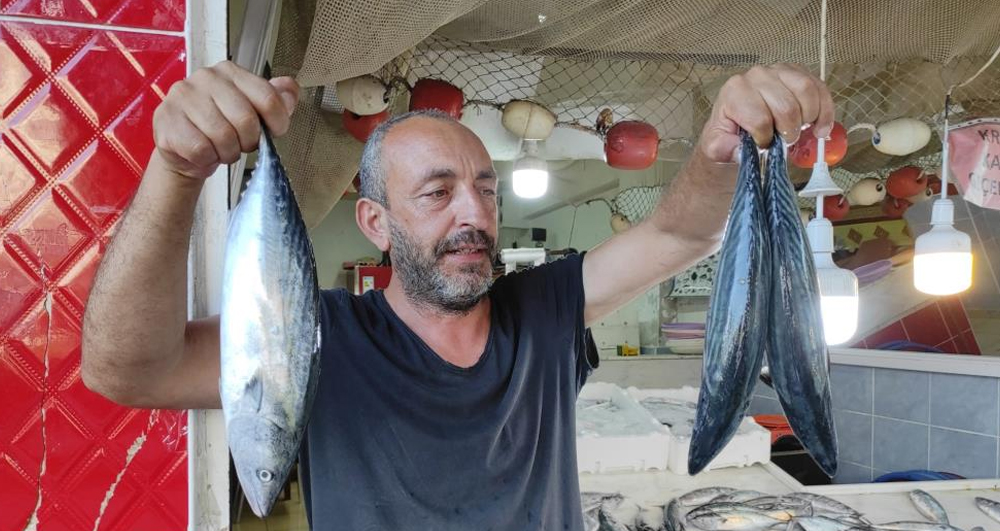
(255, 390)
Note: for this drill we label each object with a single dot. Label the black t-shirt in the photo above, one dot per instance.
(401, 439)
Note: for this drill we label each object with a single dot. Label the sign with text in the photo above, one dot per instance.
(974, 160)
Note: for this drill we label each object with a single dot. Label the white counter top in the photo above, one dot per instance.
(880, 502)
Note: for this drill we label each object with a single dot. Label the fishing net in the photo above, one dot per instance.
(660, 62)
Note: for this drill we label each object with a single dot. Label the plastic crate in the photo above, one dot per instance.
(617, 434)
(751, 443)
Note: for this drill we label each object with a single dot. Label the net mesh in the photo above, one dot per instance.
(660, 62)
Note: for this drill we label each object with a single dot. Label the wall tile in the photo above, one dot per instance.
(902, 394)
(899, 445)
(964, 402)
(966, 454)
(854, 435)
(926, 326)
(852, 473)
(891, 332)
(851, 388)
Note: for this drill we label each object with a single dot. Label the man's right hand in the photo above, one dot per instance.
(214, 115)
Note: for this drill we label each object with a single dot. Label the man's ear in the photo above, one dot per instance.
(372, 220)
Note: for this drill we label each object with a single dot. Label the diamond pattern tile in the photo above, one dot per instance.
(102, 182)
(75, 114)
(52, 128)
(18, 182)
(151, 14)
(50, 233)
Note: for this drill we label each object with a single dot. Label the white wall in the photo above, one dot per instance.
(337, 240)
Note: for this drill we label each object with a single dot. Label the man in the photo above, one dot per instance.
(445, 402)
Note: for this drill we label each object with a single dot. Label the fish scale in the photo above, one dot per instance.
(269, 331)
(735, 334)
(797, 354)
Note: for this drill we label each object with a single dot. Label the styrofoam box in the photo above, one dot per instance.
(644, 447)
(751, 443)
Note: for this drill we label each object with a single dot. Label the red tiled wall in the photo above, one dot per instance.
(75, 112)
(942, 324)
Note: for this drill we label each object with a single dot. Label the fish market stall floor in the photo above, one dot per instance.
(880, 502)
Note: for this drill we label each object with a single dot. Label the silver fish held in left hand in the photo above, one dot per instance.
(270, 335)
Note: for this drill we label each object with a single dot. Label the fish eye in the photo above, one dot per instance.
(265, 475)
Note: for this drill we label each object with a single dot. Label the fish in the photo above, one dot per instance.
(705, 495)
(740, 496)
(825, 503)
(673, 516)
(915, 526)
(733, 518)
(796, 349)
(989, 507)
(735, 329)
(929, 507)
(821, 523)
(270, 333)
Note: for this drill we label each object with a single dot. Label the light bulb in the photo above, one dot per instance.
(838, 290)
(942, 260)
(531, 177)
(838, 287)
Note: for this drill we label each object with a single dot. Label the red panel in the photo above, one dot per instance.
(19, 181)
(158, 14)
(892, 332)
(954, 315)
(152, 14)
(926, 326)
(75, 110)
(102, 182)
(20, 73)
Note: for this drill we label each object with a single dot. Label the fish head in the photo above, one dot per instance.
(263, 454)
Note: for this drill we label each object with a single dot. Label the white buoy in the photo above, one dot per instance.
(528, 120)
(866, 192)
(901, 136)
(362, 95)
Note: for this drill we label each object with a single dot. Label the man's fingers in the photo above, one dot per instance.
(207, 117)
(189, 149)
(265, 98)
(782, 104)
(240, 114)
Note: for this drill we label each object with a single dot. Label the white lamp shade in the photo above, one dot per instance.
(839, 303)
(942, 260)
(531, 177)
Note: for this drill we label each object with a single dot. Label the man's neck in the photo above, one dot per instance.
(457, 338)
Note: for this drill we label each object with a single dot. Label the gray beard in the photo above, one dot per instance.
(427, 286)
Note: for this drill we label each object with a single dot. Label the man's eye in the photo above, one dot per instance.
(438, 194)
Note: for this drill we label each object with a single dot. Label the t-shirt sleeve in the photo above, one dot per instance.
(552, 296)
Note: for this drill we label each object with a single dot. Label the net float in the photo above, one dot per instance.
(866, 192)
(438, 95)
(363, 95)
(835, 207)
(528, 120)
(361, 127)
(898, 137)
(631, 145)
(803, 152)
(905, 182)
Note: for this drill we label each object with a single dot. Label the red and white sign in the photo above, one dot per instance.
(974, 160)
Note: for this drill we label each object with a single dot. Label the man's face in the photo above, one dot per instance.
(442, 219)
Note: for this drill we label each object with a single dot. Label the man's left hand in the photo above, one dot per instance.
(764, 99)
